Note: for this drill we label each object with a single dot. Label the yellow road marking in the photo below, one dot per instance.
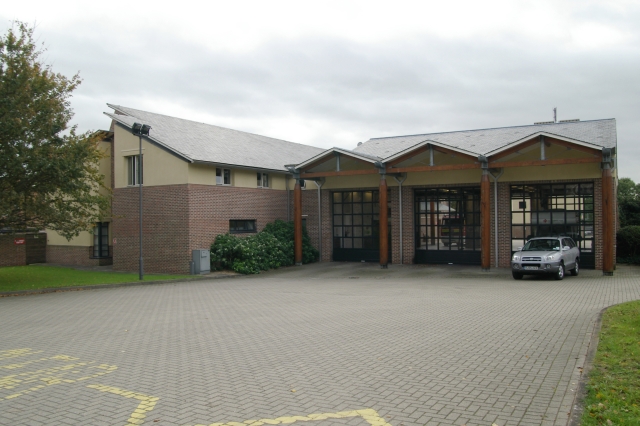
(52, 376)
(20, 365)
(371, 416)
(15, 353)
(147, 402)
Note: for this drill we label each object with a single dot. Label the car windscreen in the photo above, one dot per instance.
(550, 244)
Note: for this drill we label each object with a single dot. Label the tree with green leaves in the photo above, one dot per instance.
(628, 202)
(49, 174)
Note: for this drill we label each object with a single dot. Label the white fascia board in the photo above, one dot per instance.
(427, 142)
(551, 135)
(151, 138)
(334, 150)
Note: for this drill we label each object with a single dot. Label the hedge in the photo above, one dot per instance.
(269, 249)
(628, 245)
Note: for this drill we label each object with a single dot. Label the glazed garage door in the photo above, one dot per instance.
(552, 210)
(447, 225)
(356, 226)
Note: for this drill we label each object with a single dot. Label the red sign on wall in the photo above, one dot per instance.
(19, 241)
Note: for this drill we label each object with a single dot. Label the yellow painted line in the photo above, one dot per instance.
(23, 364)
(16, 353)
(51, 376)
(140, 413)
(371, 416)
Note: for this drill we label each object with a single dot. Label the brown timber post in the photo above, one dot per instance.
(297, 222)
(485, 219)
(384, 222)
(607, 215)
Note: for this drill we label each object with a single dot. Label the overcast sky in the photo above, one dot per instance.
(337, 73)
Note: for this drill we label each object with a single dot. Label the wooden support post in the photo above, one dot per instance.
(384, 223)
(485, 221)
(297, 223)
(607, 220)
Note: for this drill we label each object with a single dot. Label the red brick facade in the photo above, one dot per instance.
(310, 210)
(180, 218)
(33, 250)
(10, 253)
(75, 255)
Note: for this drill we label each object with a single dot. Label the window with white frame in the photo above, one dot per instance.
(263, 180)
(134, 172)
(223, 176)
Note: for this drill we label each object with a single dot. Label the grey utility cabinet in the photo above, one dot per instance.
(201, 261)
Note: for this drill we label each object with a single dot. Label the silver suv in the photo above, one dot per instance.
(546, 255)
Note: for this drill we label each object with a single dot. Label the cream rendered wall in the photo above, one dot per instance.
(160, 167)
(560, 172)
(85, 239)
(204, 174)
(466, 177)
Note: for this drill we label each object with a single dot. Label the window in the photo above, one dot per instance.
(447, 219)
(263, 180)
(134, 174)
(356, 220)
(101, 239)
(223, 176)
(565, 209)
(242, 226)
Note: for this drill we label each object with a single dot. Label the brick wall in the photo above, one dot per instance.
(34, 250)
(75, 255)
(211, 207)
(309, 208)
(11, 254)
(180, 218)
(165, 229)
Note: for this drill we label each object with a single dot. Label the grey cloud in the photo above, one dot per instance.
(371, 90)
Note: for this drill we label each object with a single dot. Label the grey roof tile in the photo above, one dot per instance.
(601, 133)
(208, 143)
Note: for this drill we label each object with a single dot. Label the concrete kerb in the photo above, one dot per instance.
(127, 284)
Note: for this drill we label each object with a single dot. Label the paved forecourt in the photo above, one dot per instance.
(328, 344)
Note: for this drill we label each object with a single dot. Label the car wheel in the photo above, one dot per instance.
(575, 271)
(517, 275)
(560, 274)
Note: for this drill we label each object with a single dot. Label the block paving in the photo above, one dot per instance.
(324, 344)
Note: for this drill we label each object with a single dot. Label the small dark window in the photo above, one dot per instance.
(242, 226)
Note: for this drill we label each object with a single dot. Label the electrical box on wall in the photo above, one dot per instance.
(201, 261)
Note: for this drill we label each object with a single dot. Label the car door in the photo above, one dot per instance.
(568, 255)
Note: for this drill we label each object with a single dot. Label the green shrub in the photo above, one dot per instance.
(269, 249)
(284, 231)
(628, 245)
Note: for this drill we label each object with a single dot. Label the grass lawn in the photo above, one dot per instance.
(613, 391)
(32, 277)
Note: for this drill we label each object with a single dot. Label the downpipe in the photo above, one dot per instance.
(495, 210)
(404, 177)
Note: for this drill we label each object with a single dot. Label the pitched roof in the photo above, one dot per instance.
(200, 142)
(596, 133)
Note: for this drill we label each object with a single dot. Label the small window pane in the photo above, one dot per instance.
(242, 226)
(227, 177)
